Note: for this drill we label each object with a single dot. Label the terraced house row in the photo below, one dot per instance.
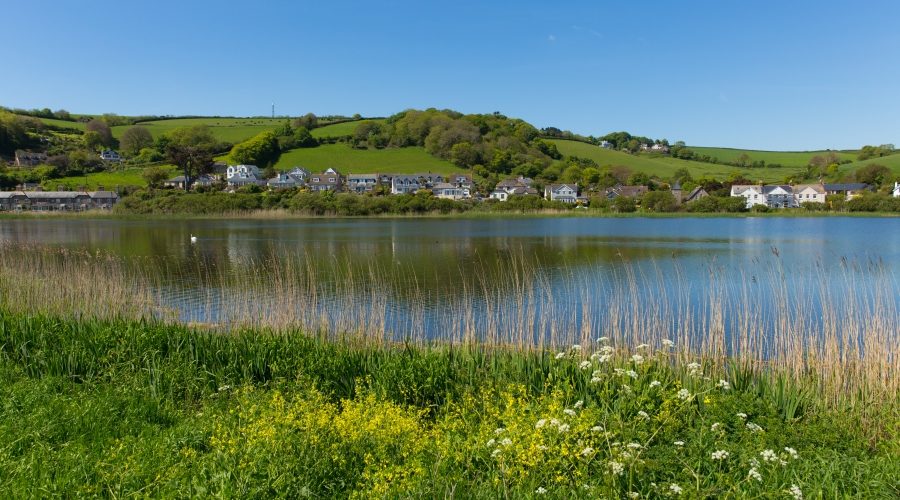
(787, 196)
(75, 201)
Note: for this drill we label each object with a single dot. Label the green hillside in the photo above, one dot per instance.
(892, 162)
(346, 159)
(339, 129)
(62, 123)
(797, 159)
(225, 129)
(664, 166)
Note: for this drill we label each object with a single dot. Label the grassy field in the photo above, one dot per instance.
(109, 180)
(339, 129)
(348, 160)
(892, 162)
(664, 166)
(120, 409)
(225, 129)
(798, 159)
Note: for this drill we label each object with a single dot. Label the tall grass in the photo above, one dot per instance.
(819, 326)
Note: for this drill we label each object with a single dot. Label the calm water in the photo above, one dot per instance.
(439, 258)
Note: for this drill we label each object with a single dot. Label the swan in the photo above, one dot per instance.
(193, 239)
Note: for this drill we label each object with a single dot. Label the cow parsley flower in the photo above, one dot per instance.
(554, 422)
(655, 383)
(587, 452)
(596, 380)
(576, 347)
(632, 374)
(603, 339)
(584, 365)
(540, 491)
(684, 394)
(678, 443)
(597, 428)
(495, 452)
(540, 423)
(626, 389)
(563, 428)
(506, 442)
(642, 346)
(715, 427)
(578, 404)
(560, 355)
(675, 489)
(643, 415)
(633, 446)
(792, 452)
(616, 468)
(796, 492)
(720, 455)
(570, 412)
(668, 343)
(742, 415)
(693, 368)
(768, 455)
(753, 427)
(607, 349)
(618, 371)
(499, 430)
(754, 474)
(724, 385)
(637, 359)
(490, 443)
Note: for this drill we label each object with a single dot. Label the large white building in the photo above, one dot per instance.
(242, 171)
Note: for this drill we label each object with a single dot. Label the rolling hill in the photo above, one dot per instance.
(664, 166)
(225, 129)
(346, 159)
(798, 159)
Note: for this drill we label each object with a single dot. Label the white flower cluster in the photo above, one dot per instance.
(587, 452)
(643, 415)
(720, 455)
(675, 489)
(684, 394)
(724, 385)
(668, 343)
(637, 359)
(715, 427)
(694, 368)
(754, 474)
(615, 468)
(540, 491)
(655, 383)
(753, 427)
(584, 365)
(742, 415)
(796, 492)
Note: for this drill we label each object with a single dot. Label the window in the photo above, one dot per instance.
(331, 179)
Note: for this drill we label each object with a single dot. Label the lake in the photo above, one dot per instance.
(512, 279)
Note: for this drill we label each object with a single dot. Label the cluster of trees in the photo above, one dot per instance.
(869, 152)
(262, 150)
(15, 132)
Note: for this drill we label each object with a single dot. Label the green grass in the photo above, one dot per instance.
(232, 130)
(798, 159)
(109, 180)
(348, 160)
(141, 409)
(664, 166)
(339, 129)
(892, 162)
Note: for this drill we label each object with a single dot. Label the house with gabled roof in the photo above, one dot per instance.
(519, 186)
(566, 193)
(849, 190)
(695, 194)
(809, 193)
(361, 183)
(29, 159)
(329, 180)
(449, 191)
(625, 191)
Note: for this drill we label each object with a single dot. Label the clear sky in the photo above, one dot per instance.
(768, 75)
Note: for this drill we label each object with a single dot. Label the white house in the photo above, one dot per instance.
(242, 171)
(362, 183)
(606, 145)
(897, 190)
(566, 193)
(509, 187)
(809, 193)
(449, 191)
(752, 194)
(110, 155)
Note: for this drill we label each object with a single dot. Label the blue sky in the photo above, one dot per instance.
(767, 75)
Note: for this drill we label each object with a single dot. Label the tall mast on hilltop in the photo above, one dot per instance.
(273, 110)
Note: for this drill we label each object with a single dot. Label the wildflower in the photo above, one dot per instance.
(715, 427)
(753, 427)
(684, 394)
(607, 349)
(720, 455)
(490, 443)
(495, 452)
(499, 430)
(668, 343)
(578, 404)
(615, 468)
(742, 415)
(506, 442)
(597, 428)
(619, 371)
(655, 383)
(576, 347)
(792, 452)
(678, 443)
(626, 389)
(603, 339)
(632, 374)
(693, 368)
(595, 380)
(634, 494)
(584, 365)
(637, 359)
(675, 489)
(570, 412)
(563, 428)
(554, 422)
(540, 423)
(634, 446)
(796, 492)
(642, 346)
(540, 491)
(224, 388)
(604, 358)
(560, 355)
(754, 474)
(643, 415)
(768, 455)
(724, 385)
(587, 452)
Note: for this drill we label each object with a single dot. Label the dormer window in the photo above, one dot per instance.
(315, 179)
(331, 179)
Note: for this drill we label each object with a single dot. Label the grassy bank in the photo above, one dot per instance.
(117, 408)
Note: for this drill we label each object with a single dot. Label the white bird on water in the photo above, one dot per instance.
(193, 239)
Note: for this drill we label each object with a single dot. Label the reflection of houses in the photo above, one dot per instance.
(513, 187)
(329, 180)
(362, 183)
(29, 159)
(57, 200)
(849, 190)
(809, 193)
(566, 193)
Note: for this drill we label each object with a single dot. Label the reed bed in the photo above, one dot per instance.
(836, 328)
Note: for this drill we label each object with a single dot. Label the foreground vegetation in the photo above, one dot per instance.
(120, 408)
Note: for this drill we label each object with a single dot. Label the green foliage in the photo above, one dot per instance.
(624, 204)
(134, 139)
(658, 201)
(103, 133)
(191, 149)
(261, 150)
(155, 176)
(874, 174)
(868, 152)
(709, 204)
